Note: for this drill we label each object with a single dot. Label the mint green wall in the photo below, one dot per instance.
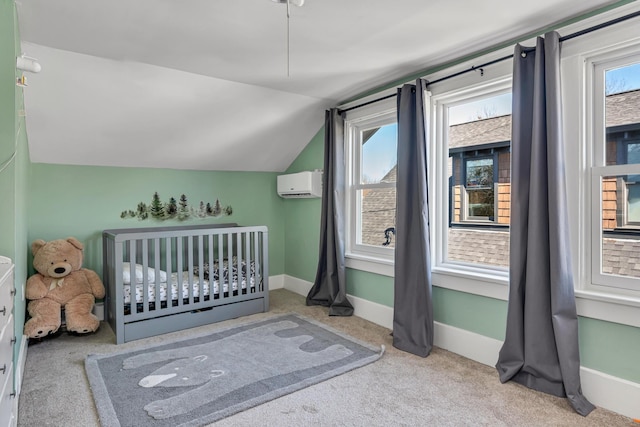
(8, 121)
(81, 201)
(302, 230)
(370, 286)
(13, 178)
(482, 315)
(610, 347)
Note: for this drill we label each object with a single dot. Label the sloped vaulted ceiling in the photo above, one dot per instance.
(203, 84)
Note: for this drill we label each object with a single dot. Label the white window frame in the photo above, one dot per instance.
(364, 257)
(468, 277)
(578, 59)
(596, 66)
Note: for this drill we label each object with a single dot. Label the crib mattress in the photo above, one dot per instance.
(176, 288)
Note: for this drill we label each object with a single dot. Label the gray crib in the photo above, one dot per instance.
(165, 279)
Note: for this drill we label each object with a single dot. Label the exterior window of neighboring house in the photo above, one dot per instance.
(371, 138)
(478, 185)
(480, 180)
(616, 174)
(476, 129)
(632, 205)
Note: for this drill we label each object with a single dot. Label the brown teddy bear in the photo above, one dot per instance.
(61, 282)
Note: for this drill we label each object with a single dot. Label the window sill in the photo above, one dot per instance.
(384, 267)
(479, 224)
(473, 281)
(611, 308)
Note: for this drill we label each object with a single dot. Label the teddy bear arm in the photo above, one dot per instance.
(36, 288)
(97, 287)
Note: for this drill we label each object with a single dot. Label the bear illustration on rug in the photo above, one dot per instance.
(61, 282)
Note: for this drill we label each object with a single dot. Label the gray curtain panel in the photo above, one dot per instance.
(412, 304)
(540, 349)
(329, 288)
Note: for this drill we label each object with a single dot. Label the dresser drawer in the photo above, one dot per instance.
(6, 398)
(6, 321)
(6, 345)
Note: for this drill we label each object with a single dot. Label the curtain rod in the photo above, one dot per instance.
(504, 58)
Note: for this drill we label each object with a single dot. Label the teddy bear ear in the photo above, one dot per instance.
(37, 245)
(75, 242)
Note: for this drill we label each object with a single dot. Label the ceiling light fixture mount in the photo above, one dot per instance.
(298, 3)
(294, 2)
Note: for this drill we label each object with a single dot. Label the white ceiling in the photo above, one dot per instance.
(202, 84)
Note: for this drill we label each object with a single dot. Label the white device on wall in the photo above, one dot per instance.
(26, 63)
(301, 185)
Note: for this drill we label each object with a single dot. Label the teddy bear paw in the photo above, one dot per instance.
(40, 331)
(83, 328)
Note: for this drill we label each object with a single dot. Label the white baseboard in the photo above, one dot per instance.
(603, 390)
(20, 364)
(298, 286)
(612, 393)
(372, 311)
(368, 310)
(276, 282)
(469, 344)
(98, 310)
(22, 360)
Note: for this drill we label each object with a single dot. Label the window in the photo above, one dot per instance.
(615, 189)
(474, 132)
(478, 184)
(371, 140)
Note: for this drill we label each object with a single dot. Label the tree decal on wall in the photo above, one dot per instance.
(173, 209)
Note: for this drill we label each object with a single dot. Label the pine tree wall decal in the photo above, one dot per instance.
(157, 209)
(175, 209)
(183, 210)
(171, 210)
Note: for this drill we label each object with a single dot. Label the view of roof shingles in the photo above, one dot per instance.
(379, 211)
(623, 108)
(484, 131)
(479, 246)
(621, 257)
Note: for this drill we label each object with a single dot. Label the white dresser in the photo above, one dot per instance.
(7, 341)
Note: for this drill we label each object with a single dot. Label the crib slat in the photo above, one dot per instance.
(168, 267)
(220, 261)
(238, 263)
(229, 265)
(256, 258)
(247, 261)
(210, 261)
(145, 275)
(156, 262)
(179, 262)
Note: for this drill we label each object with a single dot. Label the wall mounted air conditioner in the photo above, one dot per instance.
(300, 185)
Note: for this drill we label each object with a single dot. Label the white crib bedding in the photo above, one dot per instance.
(138, 272)
(184, 285)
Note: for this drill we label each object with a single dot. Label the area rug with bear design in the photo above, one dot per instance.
(199, 380)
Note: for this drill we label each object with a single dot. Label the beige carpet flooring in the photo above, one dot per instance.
(400, 389)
